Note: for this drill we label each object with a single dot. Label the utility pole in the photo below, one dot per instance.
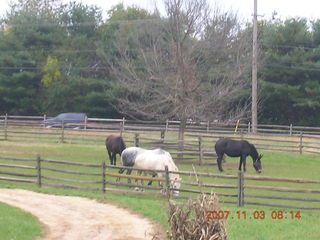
(254, 107)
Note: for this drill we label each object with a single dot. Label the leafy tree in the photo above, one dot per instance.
(76, 61)
(51, 72)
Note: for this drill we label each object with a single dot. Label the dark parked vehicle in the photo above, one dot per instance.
(73, 120)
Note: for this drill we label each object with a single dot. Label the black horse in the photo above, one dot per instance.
(240, 149)
(115, 145)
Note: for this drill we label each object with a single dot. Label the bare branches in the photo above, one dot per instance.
(189, 65)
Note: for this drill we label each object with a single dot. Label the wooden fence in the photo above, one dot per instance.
(231, 189)
(198, 143)
(123, 125)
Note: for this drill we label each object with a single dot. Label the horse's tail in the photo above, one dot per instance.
(108, 140)
(128, 157)
(122, 145)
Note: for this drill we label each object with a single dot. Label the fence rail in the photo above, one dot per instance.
(198, 143)
(102, 177)
(192, 126)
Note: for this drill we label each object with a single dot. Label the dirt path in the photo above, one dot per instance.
(76, 218)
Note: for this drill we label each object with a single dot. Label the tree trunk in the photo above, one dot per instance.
(182, 128)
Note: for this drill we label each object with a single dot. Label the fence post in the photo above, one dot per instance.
(167, 125)
(300, 144)
(6, 127)
(44, 120)
(104, 176)
(85, 122)
(122, 126)
(62, 132)
(136, 139)
(162, 136)
(200, 151)
(290, 129)
(167, 182)
(240, 189)
(39, 171)
(208, 126)
(249, 127)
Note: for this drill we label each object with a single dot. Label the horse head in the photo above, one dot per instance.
(257, 164)
(175, 183)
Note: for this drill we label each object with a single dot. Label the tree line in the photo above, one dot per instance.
(192, 63)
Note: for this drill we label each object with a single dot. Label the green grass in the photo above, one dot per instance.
(306, 227)
(17, 225)
(275, 164)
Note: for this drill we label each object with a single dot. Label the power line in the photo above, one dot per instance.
(289, 46)
(79, 24)
(278, 66)
(291, 67)
(97, 49)
(51, 50)
(21, 68)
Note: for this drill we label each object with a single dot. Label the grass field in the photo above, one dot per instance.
(16, 224)
(239, 228)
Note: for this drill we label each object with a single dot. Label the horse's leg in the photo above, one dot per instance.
(141, 180)
(110, 157)
(161, 175)
(244, 163)
(219, 160)
(129, 173)
(240, 163)
(113, 155)
(115, 159)
(137, 180)
(121, 170)
(150, 182)
(138, 174)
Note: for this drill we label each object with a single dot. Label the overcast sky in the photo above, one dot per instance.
(284, 8)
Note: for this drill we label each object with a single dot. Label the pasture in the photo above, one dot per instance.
(274, 164)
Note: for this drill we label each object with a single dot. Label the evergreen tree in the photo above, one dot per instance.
(291, 80)
(23, 47)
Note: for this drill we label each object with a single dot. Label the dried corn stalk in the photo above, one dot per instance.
(189, 220)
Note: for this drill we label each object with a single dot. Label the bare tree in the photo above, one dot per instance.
(190, 64)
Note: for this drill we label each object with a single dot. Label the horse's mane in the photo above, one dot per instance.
(172, 167)
(172, 164)
(254, 152)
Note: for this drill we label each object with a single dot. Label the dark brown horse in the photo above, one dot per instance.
(242, 149)
(115, 145)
